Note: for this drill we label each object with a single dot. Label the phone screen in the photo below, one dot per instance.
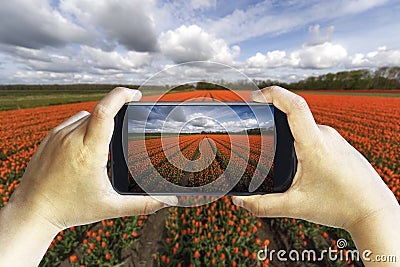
(199, 148)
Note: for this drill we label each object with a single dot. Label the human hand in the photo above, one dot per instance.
(66, 184)
(66, 181)
(334, 184)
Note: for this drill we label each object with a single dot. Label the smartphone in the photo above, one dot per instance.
(201, 148)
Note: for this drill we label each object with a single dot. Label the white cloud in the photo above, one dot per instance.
(195, 119)
(35, 24)
(47, 77)
(127, 22)
(272, 59)
(86, 60)
(326, 55)
(321, 56)
(71, 41)
(318, 37)
(52, 77)
(316, 60)
(68, 65)
(267, 17)
(128, 61)
(192, 43)
(203, 4)
(356, 6)
(378, 58)
(50, 60)
(238, 125)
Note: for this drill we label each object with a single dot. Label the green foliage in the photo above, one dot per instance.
(386, 78)
(18, 96)
(216, 234)
(187, 87)
(208, 86)
(98, 244)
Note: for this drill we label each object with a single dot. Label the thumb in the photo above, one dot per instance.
(268, 205)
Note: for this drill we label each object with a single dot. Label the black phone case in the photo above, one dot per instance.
(285, 160)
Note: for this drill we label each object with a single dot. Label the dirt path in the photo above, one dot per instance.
(185, 179)
(149, 242)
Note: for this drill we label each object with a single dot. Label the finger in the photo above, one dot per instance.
(269, 205)
(101, 123)
(71, 120)
(140, 205)
(301, 121)
(79, 123)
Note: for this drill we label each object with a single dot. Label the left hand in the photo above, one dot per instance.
(66, 181)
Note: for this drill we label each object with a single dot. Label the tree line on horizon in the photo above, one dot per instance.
(385, 78)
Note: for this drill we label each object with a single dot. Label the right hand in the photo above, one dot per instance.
(334, 184)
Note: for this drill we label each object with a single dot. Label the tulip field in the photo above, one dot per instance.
(218, 233)
(142, 158)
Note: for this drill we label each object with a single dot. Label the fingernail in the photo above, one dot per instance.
(238, 202)
(136, 95)
(257, 96)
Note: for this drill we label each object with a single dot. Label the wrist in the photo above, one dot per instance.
(375, 219)
(20, 224)
(383, 210)
(378, 233)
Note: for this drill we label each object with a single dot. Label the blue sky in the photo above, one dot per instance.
(185, 119)
(127, 41)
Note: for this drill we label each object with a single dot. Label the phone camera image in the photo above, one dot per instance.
(197, 148)
(195, 145)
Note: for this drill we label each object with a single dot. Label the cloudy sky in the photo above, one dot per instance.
(126, 41)
(194, 119)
